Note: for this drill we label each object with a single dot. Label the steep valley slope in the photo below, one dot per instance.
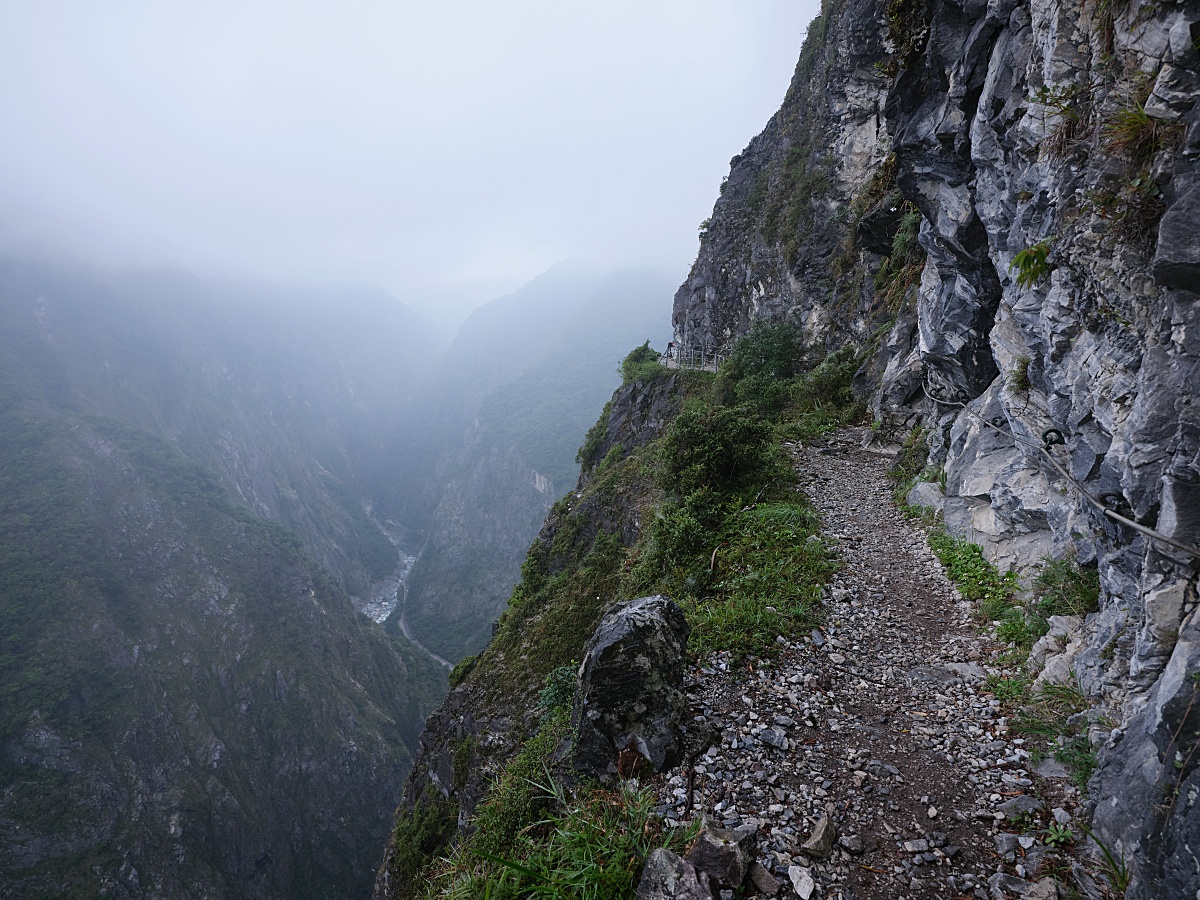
(506, 412)
(190, 705)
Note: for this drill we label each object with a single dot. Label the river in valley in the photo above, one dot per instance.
(386, 595)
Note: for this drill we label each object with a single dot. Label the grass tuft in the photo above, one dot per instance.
(1131, 132)
(589, 844)
(1017, 380)
(1051, 712)
(768, 573)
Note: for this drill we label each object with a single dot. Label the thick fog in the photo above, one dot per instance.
(447, 152)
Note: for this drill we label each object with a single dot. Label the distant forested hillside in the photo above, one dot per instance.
(189, 704)
(193, 478)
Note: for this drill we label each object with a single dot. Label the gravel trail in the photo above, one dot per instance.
(878, 723)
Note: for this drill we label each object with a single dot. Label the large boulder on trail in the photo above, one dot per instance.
(630, 706)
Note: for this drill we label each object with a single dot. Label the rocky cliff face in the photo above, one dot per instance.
(492, 501)
(1051, 151)
(768, 251)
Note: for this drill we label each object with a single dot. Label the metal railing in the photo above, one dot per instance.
(1107, 504)
(706, 358)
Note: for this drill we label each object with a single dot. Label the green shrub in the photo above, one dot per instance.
(642, 362)
(1008, 690)
(766, 395)
(417, 838)
(766, 373)
(1031, 263)
(559, 691)
(462, 669)
(1016, 628)
(774, 351)
(758, 370)
(905, 247)
(828, 383)
(594, 437)
(721, 448)
(684, 528)
(822, 400)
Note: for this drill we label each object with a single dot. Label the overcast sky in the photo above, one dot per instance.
(446, 151)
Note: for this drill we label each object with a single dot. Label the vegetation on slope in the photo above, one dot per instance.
(178, 679)
(508, 408)
(704, 509)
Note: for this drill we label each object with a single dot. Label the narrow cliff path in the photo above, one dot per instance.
(878, 722)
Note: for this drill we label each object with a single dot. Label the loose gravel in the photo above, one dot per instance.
(869, 754)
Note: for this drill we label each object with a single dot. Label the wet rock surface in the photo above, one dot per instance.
(869, 757)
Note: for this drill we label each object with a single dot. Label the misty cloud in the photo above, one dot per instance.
(447, 152)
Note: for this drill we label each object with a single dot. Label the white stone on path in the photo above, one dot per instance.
(802, 881)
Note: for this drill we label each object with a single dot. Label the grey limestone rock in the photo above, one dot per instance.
(764, 882)
(1002, 885)
(852, 844)
(668, 876)
(629, 697)
(820, 842)
(774, 737)
(802, 881)
(1019, 806)
(1177, 256)
(831, 119)
(1153, 762)
(725, 855)
(925, 494)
